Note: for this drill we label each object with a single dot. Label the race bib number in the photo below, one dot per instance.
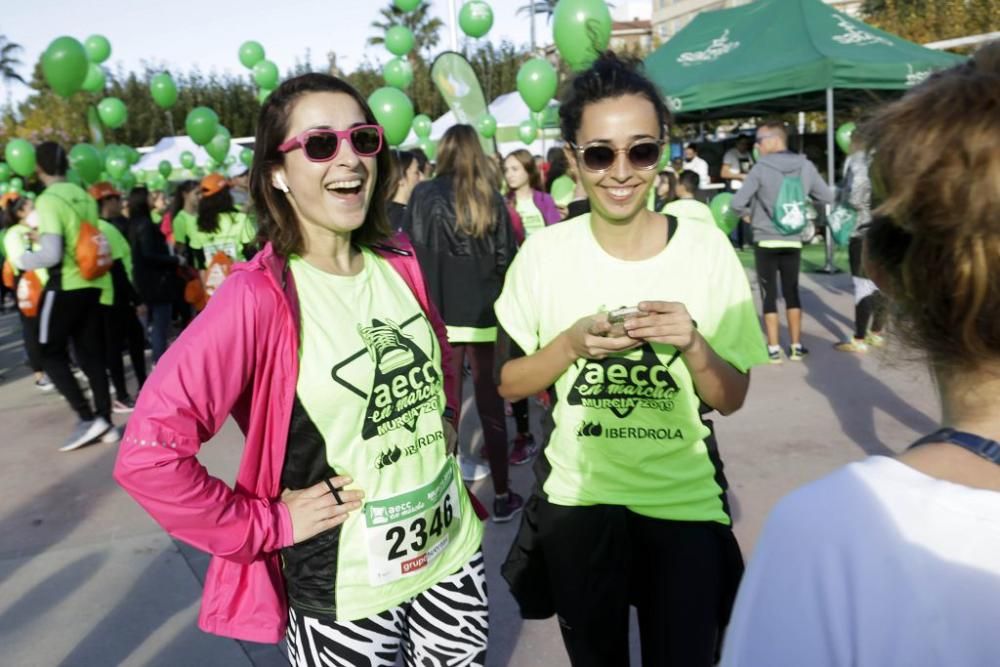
(227, 247)
(407, 532)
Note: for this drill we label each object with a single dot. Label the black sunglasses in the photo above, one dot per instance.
(599, 157)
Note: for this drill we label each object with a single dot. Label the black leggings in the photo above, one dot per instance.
(770, 262)
(488, 404)
(29, 332)
(122, 328)
(75, 315)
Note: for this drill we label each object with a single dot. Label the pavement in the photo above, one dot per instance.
(88, 579)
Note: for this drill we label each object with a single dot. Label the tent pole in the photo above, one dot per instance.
(831, 180)
(453, 24)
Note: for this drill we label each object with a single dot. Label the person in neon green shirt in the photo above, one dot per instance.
(71, 303)
(631, 477)
(183, 215)
(219, 227)
(686, 207)
(535, 208)
(18, 238)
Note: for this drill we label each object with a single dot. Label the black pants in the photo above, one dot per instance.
(772, 262)
(29, 332)
(123, 329)
(681, 576)
(872, 309)
(75, 315)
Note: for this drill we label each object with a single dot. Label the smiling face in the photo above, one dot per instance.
(618, 194)
(329, 197)
(515, 173)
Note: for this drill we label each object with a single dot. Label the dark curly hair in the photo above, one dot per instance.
(609, 76)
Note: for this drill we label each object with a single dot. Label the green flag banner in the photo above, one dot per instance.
(456, 81)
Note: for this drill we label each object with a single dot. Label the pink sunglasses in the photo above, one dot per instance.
(322, 144)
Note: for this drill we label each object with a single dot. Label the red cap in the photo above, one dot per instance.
(102, 190)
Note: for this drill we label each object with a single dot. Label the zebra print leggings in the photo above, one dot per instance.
(445, 625)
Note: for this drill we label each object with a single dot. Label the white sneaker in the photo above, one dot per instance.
(85, 433)
(113, 434)
(473, 469)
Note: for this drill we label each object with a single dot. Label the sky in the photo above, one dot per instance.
(180, 34)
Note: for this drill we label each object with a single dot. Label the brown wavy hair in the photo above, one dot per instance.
(935, 237)
(461, 157)
(527, 161)
(276, 220)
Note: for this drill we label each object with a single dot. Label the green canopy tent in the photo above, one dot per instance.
(779, 56)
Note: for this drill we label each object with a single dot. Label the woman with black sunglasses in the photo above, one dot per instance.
(644, 324)
(326, 351)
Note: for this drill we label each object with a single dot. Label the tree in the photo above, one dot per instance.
(9, 62)
(924, 21)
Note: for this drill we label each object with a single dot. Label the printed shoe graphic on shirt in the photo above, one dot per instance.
(384, 343)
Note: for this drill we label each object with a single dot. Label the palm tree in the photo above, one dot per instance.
(426, 29)
(9, 62)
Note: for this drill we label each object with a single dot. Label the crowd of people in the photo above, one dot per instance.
(336, 318)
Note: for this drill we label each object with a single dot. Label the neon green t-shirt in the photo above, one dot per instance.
(61, 209)
(370, 380)
(690, 209)
(121, 251)
(182, 223)
(628, 429)
(16, 242)
(562, 191)
(235, 232)
(531, 217)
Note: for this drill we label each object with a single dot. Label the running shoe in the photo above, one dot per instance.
(473, 470)
(122, 406)
(857, 345)
(525, 449)
(85, 433)
(774, 355)
(875, 340)
(797, 352)
(113, 434)
(506, 507)
(44, 384)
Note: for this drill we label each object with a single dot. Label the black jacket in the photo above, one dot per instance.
(464, 275)
(154, 269)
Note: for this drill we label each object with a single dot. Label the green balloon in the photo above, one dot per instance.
(199, 172)
(487, 126)
(844, 133)
(5, 172)
(725, 217)
(394, 112)
(428, 147)
(112, 112)
(246, 157)
(263, 93)
(163, 89)
(116, 165)
(30, 195)
(16, 184)
(20, 155)
(165, 168)
(756, 154)
(537, 82)
(98, 48)
(265, 73)
(94, 83)
(65, 65)
(140, 176)
(86, 161)
(127, 181)
(399, 40)
(187, 160)
(201, 124)
(406, 5)
(157, 183)
(422, 126)
(581, 29)
(251, 53)
(230, 160)
(527, 131)
(133, 156)
(218, 147)
(398, 73)
(475, 18)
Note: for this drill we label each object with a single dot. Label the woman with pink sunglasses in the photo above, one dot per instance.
(348, 530)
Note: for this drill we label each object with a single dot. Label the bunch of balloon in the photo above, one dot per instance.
(422, 128)
(263, 71)
(581, 29)
(69, 66)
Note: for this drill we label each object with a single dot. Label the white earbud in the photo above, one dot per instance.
(279, 183)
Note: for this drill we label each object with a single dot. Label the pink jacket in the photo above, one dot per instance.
(239, 357)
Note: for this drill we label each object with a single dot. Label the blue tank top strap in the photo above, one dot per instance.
(984, 447)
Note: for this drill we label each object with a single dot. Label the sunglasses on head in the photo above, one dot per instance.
(643, 154)
(322, 144)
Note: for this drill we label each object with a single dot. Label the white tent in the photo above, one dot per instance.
(170, 149)
(510, 111)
